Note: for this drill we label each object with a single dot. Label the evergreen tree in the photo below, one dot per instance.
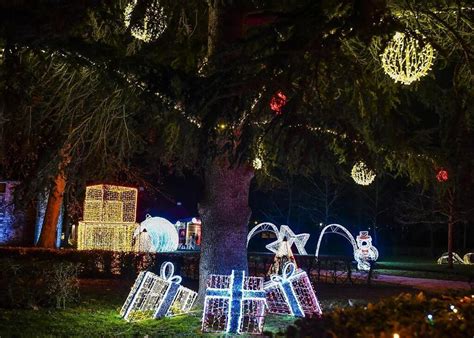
(287, 82)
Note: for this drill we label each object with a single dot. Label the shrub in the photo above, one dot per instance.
(407, 315)
(35, 283)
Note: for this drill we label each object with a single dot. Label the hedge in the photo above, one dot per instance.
(406, 315)
(126, 265)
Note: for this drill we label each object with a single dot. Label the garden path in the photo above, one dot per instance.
(424, 283)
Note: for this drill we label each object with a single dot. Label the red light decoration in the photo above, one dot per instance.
(442, 175)
(277, 102)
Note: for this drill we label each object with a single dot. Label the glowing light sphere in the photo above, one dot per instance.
(153, 25)
(277, 102)
(361, 174)
(162, 235)
(234, 304)
(442, 175)
(405, 61)
(257, 163)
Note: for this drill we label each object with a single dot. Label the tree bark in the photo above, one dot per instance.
(450, 242)
(48, 231)
(450, 227)
(225, 214)
(53, 208)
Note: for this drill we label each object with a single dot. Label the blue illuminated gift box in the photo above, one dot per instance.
(234, 303)
(291, 293)
(154, 296)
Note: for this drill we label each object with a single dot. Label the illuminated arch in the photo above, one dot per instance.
(336, 229)
(262, 227)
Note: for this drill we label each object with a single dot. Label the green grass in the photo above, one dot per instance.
(424, 268)
(97, 313)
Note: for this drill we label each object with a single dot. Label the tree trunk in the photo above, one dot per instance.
(450, 228)
(53, 208)
(464, 239)
(48, 231)
(225, 214)
(450, 243)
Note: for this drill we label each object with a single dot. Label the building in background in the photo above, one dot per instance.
(189, 231)
(9, 231)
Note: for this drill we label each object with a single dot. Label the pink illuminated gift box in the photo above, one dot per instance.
(291, 293)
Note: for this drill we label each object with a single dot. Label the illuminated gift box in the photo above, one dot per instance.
(291, 293)
(109, 219)
(106, 236)
(110, 204)
(234, 303)
(155, 296)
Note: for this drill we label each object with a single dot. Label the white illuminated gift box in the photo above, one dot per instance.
(234, 304)
(109, 218)
(291, 293)
(155, 296)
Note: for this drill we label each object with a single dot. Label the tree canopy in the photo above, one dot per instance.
(191, 106)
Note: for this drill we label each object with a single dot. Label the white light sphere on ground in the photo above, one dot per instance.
(405, 61)
(162, 235)
(361, 174)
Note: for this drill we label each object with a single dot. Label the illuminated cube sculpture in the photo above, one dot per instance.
(109, 218)
(234, 304)
(291, 293)
(155, 296)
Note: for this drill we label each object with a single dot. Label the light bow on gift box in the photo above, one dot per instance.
(234, 304)
(291, 293)
(155, 296)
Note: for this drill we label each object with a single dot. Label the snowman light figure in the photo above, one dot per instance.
(365, 252)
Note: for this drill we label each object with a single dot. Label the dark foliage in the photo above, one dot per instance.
(31, 283)
(407, 315)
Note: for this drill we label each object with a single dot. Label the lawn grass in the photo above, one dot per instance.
(424, 268)
(97, 313)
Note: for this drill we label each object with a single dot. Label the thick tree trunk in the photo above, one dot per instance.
(225, 214)
(48, 231)
(53, 208)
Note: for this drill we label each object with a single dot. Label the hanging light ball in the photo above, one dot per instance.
(405, 61)
(277, 102)
(361, 174)
(442, 175)
(154, 22)
(257, 163)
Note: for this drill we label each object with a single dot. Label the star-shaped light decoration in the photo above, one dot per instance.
(288, 234)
